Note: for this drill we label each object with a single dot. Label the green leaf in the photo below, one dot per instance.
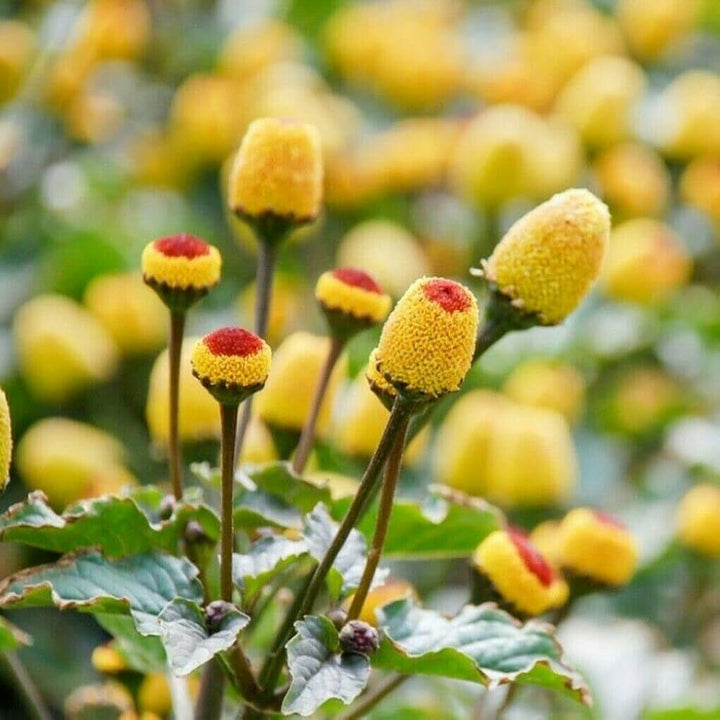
(141, 585)
(481, 644)
(189, 642)
(684, 713)
(11, 638)
(119, 526)
(259, 509)
(279, 479)
(266, 559)
(145, 654)
(319, 672)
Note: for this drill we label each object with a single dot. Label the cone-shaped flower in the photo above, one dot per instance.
(519, 573)
(278, 172)
(351, 300)
(596, 546)
(5, 441)
(427, 343)
(698, 517)
(181, 269)
(549, 258)
(231, 363)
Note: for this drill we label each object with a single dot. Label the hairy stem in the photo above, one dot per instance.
(228, 420)
(177, 328)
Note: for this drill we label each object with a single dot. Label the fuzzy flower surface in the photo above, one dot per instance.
(5, 441)
(698, 519)
(354, 293)
(278, 171)
(427, 343)
(550, 257)
(181, 262)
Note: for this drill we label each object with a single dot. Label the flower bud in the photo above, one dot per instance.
(154, 694)
(700, 186)
(382, 389)
(546, 538)
(359, 637)
(231, 363)
(427, 344)
(597, 547)
(216, 612)
(698, 519)
(277, 173)
(115, 28)
(6, 443)
(107, 660)
(17, 45)
(380, 596)
(548, 260)
(519, 573)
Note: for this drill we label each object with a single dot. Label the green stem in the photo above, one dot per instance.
(228, 422)
(392, 472)
(177, 328)
(210, 698)
(308, 432)
(28, 692)
(243, 672)
(373, 698)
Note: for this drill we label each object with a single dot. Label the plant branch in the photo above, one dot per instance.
(228, 421)
(177, 328)
(210, 698)
(27, 690)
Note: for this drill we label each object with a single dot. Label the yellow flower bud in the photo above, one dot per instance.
(382, 595)
(154, 694)
(700, 186)
(17, 44)
(93, 116)
(277, 172)
(258, 446)
(61, 347)
(698, 518)
(548, 385)
(548, 260)
(6, 443)
(198, 413)
(129, 310)
(63, 458)
(600, 100)
(546, 538)
(646, 262)
(633, 180)
(519, 573)
(231, 363)
(377, 382)
(340, 486)
(427, 344)
(386, 251)
(106, 659)
(596, 546)
(286, 399)
(115, 28)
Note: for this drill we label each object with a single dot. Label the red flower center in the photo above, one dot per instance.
(233, 341)
(357, 278)
(449, 295)
(607, 519)
(532, 558)
(183, 245)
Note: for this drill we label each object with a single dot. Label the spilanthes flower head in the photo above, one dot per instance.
(231, 363)
(17, 45)
(545, 536)
(351, 300)
(427, 343)
(154, 694)
(698, 518)
(597, 547)
(277, 173)
(549, 258)
(383, 390)
(700, 186)
(519, 574)
(181, 269)
(5, 441)
(107, 660)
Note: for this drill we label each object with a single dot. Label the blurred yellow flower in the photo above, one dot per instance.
(258, 446)
(6, 443)
(546, 538)
(17, 45)
(154, 694)
(382, 595)
(698, 519)
(107, 660)
(114, 29)
(700, 186)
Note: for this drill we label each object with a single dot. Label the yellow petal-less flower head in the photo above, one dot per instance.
(382, 595)
(113, 29)
(17, 44)
(698, 519)
(231, 363)
(5, 441)
(351, 300)
(107, 660)
(700, 186)
(277, 173)
(646, 262)
(258, 446)
(548, 260)
(546, 538)
(181, 269)
(154, 694)
(377, 382)
(427, 344)
(596, 546)
(519, 574)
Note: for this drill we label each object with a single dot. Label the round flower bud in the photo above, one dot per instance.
(351, 300)
(698, 518)
(595, 546)
(646, 262)
(359, 637)
(700, 186)
(277, 173)
(61, 347)
(107, 660)
(231, 363)
(377, 382)
(427, 344)
(380, 596)
(546, 538)
(258, 446)
(17, 45)
(115, 28)
(5, 441)
(519, 573)
(216, 612)
(154, 694)
(181, 269)
(548, 259)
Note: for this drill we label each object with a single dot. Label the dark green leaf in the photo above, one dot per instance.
(319, 672)
(253, 509)
(684, 713)
(11, 638)
(278, 479)
(266, 558)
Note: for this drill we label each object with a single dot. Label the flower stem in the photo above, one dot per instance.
(28, 692)
(308, 432)
(210, 698)
(373, 698)
(228, 422)
(177, 328)
(392, 471)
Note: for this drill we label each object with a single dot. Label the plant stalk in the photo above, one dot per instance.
(26, 688)
(212, 686)
(228, 422)
(177, 328)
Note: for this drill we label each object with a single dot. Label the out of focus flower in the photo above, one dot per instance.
(546, 538)
(698, 518)
(17, 45)
(427, 343)
(548, 260)
(61, 347)
(6, 443)
(646, 262)
(93, 116)
(386, 251)
(258, 446)
(111, 699)
(114, 29)
(107, 660)
(633, 180)
(519, 573)
(382, 595)
(595, 546)
(154, 694)
(700, 186)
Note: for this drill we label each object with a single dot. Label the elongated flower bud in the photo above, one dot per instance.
(231, 363)
(549, 258)
(427, 343)
(698, 518)
(5, 441)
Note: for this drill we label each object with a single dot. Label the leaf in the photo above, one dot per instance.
(279, 479)
(684, 713)
(145, 654)
(188, 641)
(11, 638)
(481, 644)
(319, 673)
(141, 585)
(256, 509)
(116, 525)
